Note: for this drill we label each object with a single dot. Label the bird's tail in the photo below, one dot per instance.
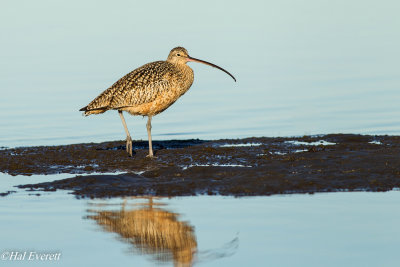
(88, 112)
(100, 104)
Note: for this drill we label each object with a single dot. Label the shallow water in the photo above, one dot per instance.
(302, 68)
(330, 229)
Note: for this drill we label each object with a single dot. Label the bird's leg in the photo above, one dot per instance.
(128, 136)
(148, 126)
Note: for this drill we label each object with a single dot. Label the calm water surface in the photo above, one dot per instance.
(302, 68)
(337, 229)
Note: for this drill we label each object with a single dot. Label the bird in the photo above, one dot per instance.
(148, 90)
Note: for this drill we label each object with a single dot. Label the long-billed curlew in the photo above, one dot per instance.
(148, 90)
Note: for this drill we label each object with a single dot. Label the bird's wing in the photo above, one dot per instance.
(138, 87)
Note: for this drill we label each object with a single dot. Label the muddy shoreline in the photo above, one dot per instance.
(237, 167)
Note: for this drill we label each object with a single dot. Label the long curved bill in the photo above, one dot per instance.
(209, 64)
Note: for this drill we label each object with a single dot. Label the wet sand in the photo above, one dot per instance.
(238, 167)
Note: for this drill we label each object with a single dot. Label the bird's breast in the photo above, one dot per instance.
(180, 83)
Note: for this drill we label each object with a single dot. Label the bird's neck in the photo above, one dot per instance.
(188, 76)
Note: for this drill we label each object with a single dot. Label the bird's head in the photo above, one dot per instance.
(180, 55)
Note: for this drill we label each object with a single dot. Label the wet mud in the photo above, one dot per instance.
(238, 167)
(7, 193)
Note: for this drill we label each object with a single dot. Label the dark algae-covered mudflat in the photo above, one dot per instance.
(238, 167)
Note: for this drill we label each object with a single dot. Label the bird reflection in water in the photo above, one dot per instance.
(151, 230)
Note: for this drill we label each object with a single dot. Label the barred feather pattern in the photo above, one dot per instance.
(147, 90)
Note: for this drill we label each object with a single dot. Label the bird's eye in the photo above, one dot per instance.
(178, 55)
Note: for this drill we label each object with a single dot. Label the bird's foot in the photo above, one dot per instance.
(151, 156)
(129, 146)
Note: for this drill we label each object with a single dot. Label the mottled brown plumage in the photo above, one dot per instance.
(148, 90)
